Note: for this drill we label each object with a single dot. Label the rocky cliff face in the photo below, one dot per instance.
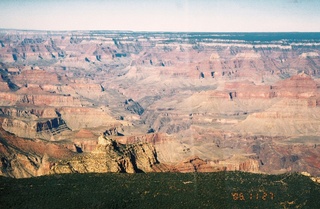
(21, 158)
(239, 163)
(111, 156)
(36, 122)
(44, 129)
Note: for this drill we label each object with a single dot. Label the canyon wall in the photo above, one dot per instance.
(193, 102)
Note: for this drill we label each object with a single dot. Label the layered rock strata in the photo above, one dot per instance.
(111, 156)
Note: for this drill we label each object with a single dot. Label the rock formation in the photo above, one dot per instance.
(22, 158)
(204, 102)
(111, 156)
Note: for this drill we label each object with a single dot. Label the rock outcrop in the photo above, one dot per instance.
(22, 158)
(111, 156)
(28, 99)
(88, 117)
(196, 164)
(44, 129)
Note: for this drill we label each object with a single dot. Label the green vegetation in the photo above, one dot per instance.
(161, 190)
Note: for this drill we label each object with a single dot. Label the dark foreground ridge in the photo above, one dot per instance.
(161, 190)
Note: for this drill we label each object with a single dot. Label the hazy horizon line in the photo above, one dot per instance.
(154, 31)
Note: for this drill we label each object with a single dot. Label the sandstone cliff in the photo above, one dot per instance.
(239, 163)
(111, 156)
(44, 129)
(21, 158)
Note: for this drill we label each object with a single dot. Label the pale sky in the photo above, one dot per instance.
(163, 15)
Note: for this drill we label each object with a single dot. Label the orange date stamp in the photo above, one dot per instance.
(242, 196)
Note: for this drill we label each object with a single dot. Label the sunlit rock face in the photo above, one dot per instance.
(110, 156)
(189, 102)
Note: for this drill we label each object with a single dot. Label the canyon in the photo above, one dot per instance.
(122, 101)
